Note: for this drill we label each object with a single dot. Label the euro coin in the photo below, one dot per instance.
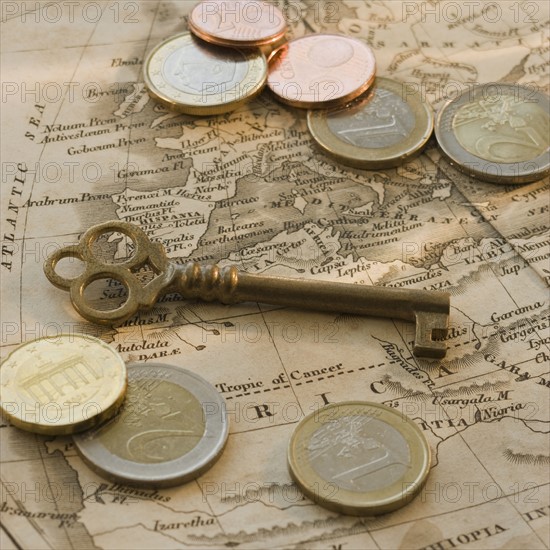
(188, 75)
(172, 427)
(359, 458)
(237, 23)
(497, 133)
(62, 385)
(268, 49)
(381, 129)
(321, 71)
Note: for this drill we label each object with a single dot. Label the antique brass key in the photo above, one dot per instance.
(429, 309)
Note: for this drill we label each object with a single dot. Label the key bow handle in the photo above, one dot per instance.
(138, 295)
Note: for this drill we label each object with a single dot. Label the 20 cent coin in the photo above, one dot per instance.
(359, 458)
(172, 427)
(62, 385)
(381, 129)
(193, 77)
(497, 132)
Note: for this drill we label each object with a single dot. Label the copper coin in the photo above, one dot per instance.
(237, 23)
(321, 70)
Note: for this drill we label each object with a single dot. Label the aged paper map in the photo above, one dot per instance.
(82, 143)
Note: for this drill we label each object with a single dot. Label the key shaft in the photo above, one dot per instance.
(429, 309)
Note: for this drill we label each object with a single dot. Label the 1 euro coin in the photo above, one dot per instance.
(193, 77)
(359, 458)
(381, 129)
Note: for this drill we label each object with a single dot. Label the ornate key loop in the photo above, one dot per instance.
(96, 272)
(138, 295)
(142, 244)
(53, 259)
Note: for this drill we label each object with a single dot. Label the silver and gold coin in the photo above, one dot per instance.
(381, 129)
(191, 76)
(359, 458)
(497, 132)
(62, 385)
(172, 427)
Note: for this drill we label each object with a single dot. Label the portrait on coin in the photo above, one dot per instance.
(190, 69)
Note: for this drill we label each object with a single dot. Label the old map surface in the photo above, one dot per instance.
(82, 143)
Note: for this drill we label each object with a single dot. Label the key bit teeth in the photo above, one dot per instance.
(439, 333)
(431, 327)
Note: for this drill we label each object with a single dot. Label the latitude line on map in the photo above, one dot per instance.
(287, 423)
(10, 536)
(18, 460)
(71, 47)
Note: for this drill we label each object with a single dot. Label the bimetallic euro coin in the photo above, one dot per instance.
(381, 129)
(497, 132)
(359, 458)
(190, 76)
(62, 385)
(237, 23)
(321, 71)
(172, 427)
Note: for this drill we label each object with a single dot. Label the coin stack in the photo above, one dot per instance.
(494, 132)
(222, 63)
(150, 425)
